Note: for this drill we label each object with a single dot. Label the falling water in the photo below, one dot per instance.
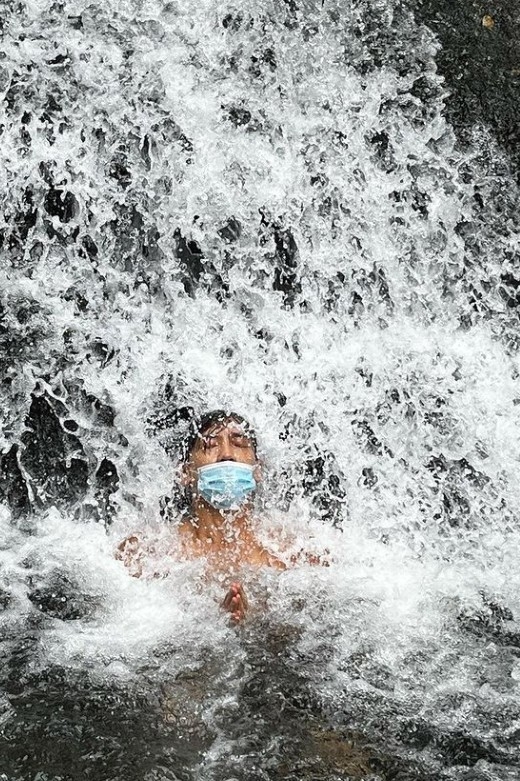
(259, 206)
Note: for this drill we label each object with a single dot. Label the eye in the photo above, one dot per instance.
(209, 442)
(241, 441)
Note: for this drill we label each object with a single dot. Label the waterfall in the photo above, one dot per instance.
(263, 207)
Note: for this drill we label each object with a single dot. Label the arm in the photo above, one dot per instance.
(131, 552)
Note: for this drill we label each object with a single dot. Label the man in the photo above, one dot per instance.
(220, 473)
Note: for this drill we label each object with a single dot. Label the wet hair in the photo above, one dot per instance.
(199, 426)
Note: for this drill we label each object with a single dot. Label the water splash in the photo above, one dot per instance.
(261, 207)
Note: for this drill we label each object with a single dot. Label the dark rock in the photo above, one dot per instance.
(60, 597)
(491, 623)
(23, 221)
(63, 205)
(13, 489)
(286, 278)
(510, 290)
(232, 21)
(461, 748)
(196, 271)
(103, 414)
(281, 398)
(237, 115)
(191, 259)
(52, 457)
(102, 352)
(369, 477)
(60, 59)
(461, 487)
(119, 169)
(22, 330)
(135, 239)
(107, 483)
(90, 247)
(52, 104)
(76, 22)
(79, 299)
(481, 65)
(383, 149)
(323, 482)
(230, 231)
(367, 438)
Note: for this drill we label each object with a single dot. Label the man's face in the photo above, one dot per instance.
(226, 440)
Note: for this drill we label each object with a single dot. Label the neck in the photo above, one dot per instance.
(220, 528)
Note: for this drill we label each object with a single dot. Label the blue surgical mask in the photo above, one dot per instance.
(226, 485)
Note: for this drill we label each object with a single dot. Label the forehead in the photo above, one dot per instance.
(221, 427)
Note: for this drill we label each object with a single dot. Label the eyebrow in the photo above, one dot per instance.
(211, 434)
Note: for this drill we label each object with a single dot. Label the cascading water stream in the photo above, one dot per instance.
(259, 207)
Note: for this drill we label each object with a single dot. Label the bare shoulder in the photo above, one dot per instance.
(150, 553)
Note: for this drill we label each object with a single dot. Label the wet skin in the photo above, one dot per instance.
(224, 441)
(235, 602)
(224, 538)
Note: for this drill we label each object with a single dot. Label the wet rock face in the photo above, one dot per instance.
(50, 468)
(53, 455)
(479, 58)
(47, 460)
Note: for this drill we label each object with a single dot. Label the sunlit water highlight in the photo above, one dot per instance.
(258, 207)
